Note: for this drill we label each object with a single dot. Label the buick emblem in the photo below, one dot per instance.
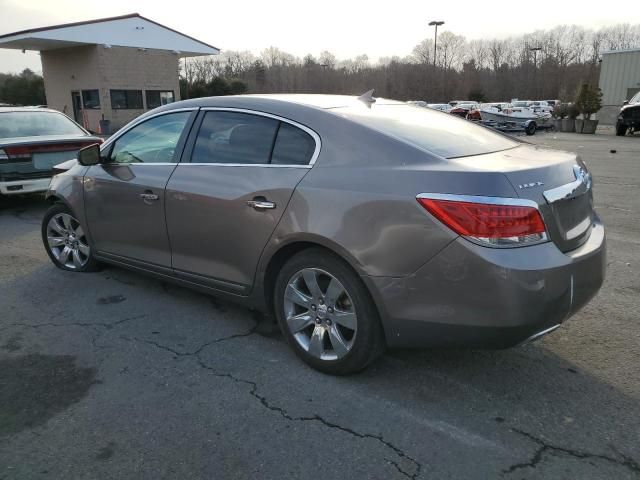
(530, 185)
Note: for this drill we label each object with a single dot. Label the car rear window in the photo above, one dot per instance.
(440, 133)
(34, 124)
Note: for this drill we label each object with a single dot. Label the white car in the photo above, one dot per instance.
(443, 107)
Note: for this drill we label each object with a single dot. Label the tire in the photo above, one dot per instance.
(65, 241)
(530, 128)
(621, 130)
(346, 335)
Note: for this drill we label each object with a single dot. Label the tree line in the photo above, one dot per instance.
(545, 64)
(26, 88)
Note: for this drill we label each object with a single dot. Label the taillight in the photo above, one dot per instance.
(490, 221)
(23, 153)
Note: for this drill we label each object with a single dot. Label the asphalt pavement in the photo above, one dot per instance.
(114, 375)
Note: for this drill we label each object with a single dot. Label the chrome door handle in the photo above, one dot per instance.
(148, 196)
(261, 204)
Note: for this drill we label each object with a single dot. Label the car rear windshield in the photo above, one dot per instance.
(440, 133)
(33, 124)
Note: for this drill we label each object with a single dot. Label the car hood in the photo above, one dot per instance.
(627, 107)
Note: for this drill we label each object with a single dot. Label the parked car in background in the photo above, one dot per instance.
(462, 109)
(541, 106)
(443, 107)
(454, 103)
(418, 103)
(32, 141)
(361, 223)
(629, 116)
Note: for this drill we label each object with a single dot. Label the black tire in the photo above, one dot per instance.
(621, 130)
(530, 128)
(89, 265)
(368, 343)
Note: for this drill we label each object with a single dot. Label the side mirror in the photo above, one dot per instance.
(626, 102)
(89, 155)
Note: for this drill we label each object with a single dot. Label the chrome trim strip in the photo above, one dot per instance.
(314, 135)
(139, 120)
(518, 202)
(536, 336)
(580, 186)
(579, 229)
(261, 165)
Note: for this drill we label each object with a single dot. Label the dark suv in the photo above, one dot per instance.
(629, 116)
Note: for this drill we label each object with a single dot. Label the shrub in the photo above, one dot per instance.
(588, 100)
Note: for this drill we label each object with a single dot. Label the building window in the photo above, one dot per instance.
(157, 98)
(126, 99)
(91, 99)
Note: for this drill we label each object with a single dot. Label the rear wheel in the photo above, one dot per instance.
(621, 129)
(530, 128)
(326, 314)
(66, 242)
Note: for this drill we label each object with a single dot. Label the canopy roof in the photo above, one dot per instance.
(131, 30)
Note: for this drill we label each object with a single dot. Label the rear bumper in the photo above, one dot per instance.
(474, 296)
(24, 186)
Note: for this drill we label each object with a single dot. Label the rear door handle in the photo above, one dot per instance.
(148, 197)
(261, 204)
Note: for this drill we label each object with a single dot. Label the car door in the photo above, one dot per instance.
(124, 195)
(223, 205)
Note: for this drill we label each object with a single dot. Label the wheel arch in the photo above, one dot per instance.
(276, 260)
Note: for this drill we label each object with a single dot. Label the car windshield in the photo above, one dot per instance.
(36, 123)
(440, 133)
(636, 98)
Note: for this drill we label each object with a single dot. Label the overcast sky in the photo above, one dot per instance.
(344, 27)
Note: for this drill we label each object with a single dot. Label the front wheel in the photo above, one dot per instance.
(66, 242)
(326, 313)
(621, 130)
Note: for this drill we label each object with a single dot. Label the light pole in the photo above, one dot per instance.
(435, 23)
(535, 51)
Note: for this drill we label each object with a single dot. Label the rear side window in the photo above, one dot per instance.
(234, 138)
(293, 146)
(437, 132)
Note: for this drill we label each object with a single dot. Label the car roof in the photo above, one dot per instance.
(317, 101)
(4, 109)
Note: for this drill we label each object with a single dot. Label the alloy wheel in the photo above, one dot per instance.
(320, 314)
(67, 241)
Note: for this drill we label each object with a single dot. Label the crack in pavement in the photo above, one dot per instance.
(106, 325)
(253, 391)
(178, 353)
(544, 447)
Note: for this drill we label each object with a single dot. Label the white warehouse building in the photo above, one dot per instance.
(619, 81)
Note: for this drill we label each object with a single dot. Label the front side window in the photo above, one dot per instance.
(91, 99)
(153, 141)
(157, 98)
(126, 99)
(234, 138)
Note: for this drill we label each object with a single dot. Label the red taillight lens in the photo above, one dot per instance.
(495, 224)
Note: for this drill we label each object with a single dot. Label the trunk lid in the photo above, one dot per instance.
(557, 181)
(25, 158)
